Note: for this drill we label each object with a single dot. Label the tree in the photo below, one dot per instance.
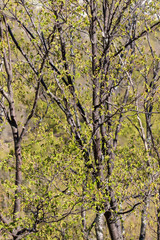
(85, 57)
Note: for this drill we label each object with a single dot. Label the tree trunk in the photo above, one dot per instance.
(158, 224)
(114, 224)
(99, 226)
(113, 227)
(144, 220)
(18, 180)
(158, 219)
(83, 215)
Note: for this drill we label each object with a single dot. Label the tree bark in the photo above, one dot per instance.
(158, 219)
(144, 219)
(113, 222)
(99, 226)
(113, 226)
(18, 180)
(96, 114)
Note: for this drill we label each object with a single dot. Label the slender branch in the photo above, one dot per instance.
(42, 81)
(142, 34)
(120, 16)
(130, 210)
(32, 111)
(4, 219)
(5, 94)
(90, 228)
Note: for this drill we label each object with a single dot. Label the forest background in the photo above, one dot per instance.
(79, 112)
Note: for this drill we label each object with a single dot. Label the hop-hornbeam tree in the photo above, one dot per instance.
(86, 158)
